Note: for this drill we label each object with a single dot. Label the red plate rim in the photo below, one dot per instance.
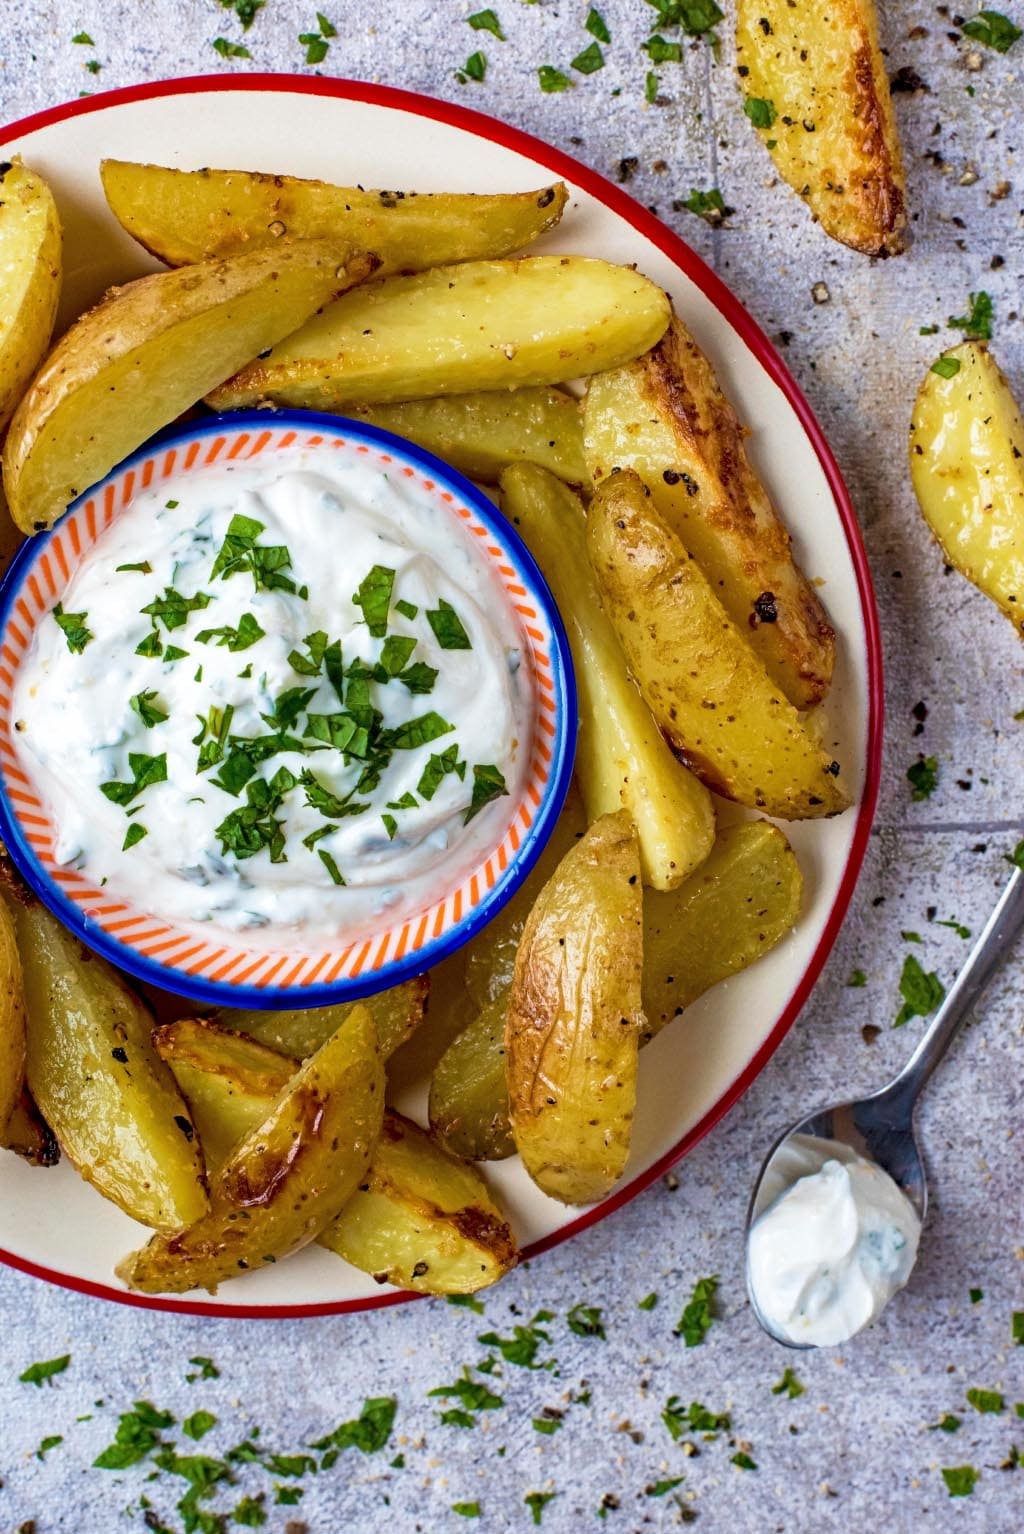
(564, 166)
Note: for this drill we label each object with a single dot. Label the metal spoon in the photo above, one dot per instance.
(880, 1128)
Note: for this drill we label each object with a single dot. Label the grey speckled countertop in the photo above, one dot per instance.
(854, 1451)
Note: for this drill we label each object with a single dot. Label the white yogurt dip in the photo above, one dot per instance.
(829, 1253)
(279, 696)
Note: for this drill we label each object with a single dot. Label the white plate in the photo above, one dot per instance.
(52, 1223)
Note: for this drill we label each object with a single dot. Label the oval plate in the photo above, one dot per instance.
(51, 1223)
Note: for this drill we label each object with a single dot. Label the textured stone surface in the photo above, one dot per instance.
(854, 1451)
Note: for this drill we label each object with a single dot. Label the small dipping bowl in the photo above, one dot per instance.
(218, 966)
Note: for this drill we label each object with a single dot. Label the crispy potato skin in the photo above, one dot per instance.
(665, 416)
(706, 688)
(737, 907)
(459, 329)
(185, 216)
(30, 278)
(574, 1018)
(967, 467)
(109, 1099)
(834, 133)
(287, 1179)
(147, 352)
(397, 1013)
(12, 1020)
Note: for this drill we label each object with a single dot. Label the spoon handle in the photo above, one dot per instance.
(991, 949)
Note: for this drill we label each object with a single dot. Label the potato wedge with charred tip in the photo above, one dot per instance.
(28, 1135)
(419, 1218)
(194, 215)
(100, 1085)
(397, 1013)
(469, 1102)
(287, 1178)
(815, 84)
(622, 762)
(737, 907)
(665, 416)
(481, 434)
(456, 330)
(967, 467)
(12, 1019)
(30, 275)
(572, 1032)
(146, 353)
(708, 691)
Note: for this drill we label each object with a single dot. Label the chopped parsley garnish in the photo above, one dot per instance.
(537, 1501)
(488, 784)
(651, 83)
(37, 1374)
(172, 609)
(198, 1424)
(923, 777)
(206, 1369)
(761, 113)
(369, 1432)
(662, 1488)
(547, 1425)
(977, 322)
(662, 52)
(49, 1443)
(1017, 1327)
(330, 865)
(743, 1461)
(240, 552)
(254, 827)
(143, 567)
(245, 10)
(317, 43)
(73, 627)
(694, 17)
(956, 926)
(857, 979)
(407, 609)
(374, 597)
(788, 1386)
(466, 1509)
(522, 1347)
(921, 991)
(946, 367)
(695, 1321)
(960, 1479)
(585, 1321)
(989, 1402)
(487, 21)
(230, 50)
(551, 79)
(134, 834)
(138, 1433)
(993, 29)
(420, 732)
(589, 60)
(434, 773)
(710, 206)
(946, 1424)
(597, 26)
(695, 1418)
(240, 638)
(475, 68)
(149, 712)
(473, 1396)
(145, 770)
(447, 627)
(83, 39)
(976, 1296)
(466, 1302)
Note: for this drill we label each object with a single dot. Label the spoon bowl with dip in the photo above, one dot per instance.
(833, 1225)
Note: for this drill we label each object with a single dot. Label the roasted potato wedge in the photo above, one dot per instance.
(100, 1085)
(735, 908)
(459, 329)
(419, 1219)
(11, 537)
(622, 762)
(469, 1101)
(30, 272)
(12, 1019)
(147, 352)
(481, 434)
(449, 1008)
(665, 416)
(287, 1179)
(572, 1032)
(967, 465)
(708, 691)
(815, 84)
(183, 216)
(397, 1013)
(28, 1135)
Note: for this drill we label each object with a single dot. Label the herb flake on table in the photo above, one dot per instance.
(648, 1302)
(205, 1368)
(475, 68)
(45, 1371)
(466, 1509)
(923, 777)
(522, 1347)
(960, 1479)
(83, 39)
(789, 1385)
(551, 80)
(596, 25)
(589, 60)
(369, 1432)
(1017, 1327)
(662, 1488)
(245, 10)
(977, 322)
(586, 1321)
(230, 50)
(698, 1313)
(857, 979)
(49, 1443)
(993, 29)
(762, 113)
(695, 1418)
(138, 1433)
(466, 1302)
(922, 991)
(976, 1296)
(537, 1501)
(198, 1425)
(947, 1423)
(988, 1402)
(742, 1460)
(487, 21)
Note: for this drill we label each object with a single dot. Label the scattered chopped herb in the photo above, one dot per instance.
(73, 627)
(94, 66)
(240, 638)
(330, 865)
(977, 322)
(928, 330)
(551, 79)
(710, 206)
(547, 1425)
(960, 1479)
(466, 1509)
(1017, 1327)
(145, 770)
(437, 769)
(662, 52)
(250, 1513)
(589, 60)
(475, 68)
(420, 732)
(990, 1402)
(35, 1374)
(173, 653)
(143, 567)
(596, 25)
(374, 597)
(150, 646)
(1016, 857)
(172, 609)
(922, 991)
(946, 1424)
(695, 1418)
(993, 29)
(407, 609)
(134, 834)
(662, 1488)
(466, 1302)
(83, 39)
(585, 1321)
(911, 937)
(206, 1369)
(148, 711)
(857, 979)
(648, 1302)
(651, 83)
(487, 21)
(743, 1461)
(694, 17)
(369, 1432)
(447, 627)
(956, 926)
(698, 1314)
(488, 784)
(788, 1386)
(976, 1296)
(240, 552)
(761, 113)
(198, 1425)
(138, 1433)
(923, 777)
(521, 1348)
(229, 50)
(537, 1501)
(473, 1394)
(946, 367)
(48, 1444)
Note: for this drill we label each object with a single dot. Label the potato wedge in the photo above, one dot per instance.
(574, 1018)
(11, 537)
(469, 1099)
(815, 83)
(742, 902)
(449, 1008)
(459, 329)
(397, 1013)
(183, 216)
(665, 416)
(12, 1019)
(28, 1135)
(622, 762)
(30, 273)
(481, 434)
(287, 1179)
(419, 1219)
(967, 466)
(147, 352)
(99, 1083)
(707, 689)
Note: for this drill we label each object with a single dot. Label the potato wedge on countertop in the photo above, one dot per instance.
(967, 467)
(397, 1013)
(665, 416)
(147, 352)
(481, 434)
(622, 762)
(99, 1083)
(419, 1218)
(459, 329)
(815, 83)
(572, 1032)
(183, 216)
(30, 275)
(287, 1179)
(12, 1020)
(708, 691)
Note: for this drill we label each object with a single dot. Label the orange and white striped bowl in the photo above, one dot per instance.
(224, 968)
